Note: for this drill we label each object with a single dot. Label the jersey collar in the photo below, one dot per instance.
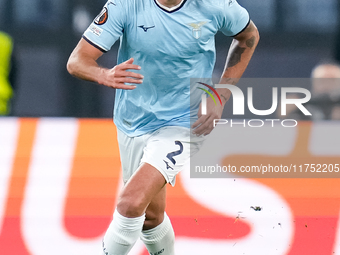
(172, 9)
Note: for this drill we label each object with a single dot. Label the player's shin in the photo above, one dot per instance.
(122, 234)
(161, 239)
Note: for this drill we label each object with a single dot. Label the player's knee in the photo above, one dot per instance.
(130, 207)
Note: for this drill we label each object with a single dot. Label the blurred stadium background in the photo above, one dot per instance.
(295, 36)
(56, 199)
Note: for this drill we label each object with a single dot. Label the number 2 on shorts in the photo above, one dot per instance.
(171, 155)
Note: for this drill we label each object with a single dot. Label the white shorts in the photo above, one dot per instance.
(167, 149)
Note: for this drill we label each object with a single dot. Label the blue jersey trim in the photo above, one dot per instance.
(243, 28)
(93, 44)
(179, 7)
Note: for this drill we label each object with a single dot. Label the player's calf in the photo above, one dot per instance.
(161, 239)
(122, 234)
(153, 221)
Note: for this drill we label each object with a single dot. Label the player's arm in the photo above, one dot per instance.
(239, 55)
(83, 64)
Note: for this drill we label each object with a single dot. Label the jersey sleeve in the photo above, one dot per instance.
(235, 18)
(107, 27)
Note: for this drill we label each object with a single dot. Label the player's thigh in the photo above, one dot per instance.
(168, 150)
(140, 190)
(131, 152)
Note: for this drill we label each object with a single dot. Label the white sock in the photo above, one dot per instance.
(161, 239)
(122, 234)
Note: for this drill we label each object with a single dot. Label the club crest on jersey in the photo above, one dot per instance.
(102, 17)
(197, 28)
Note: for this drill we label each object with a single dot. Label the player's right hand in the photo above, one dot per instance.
(117, 76)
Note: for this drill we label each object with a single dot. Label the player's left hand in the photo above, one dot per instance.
(205, 123)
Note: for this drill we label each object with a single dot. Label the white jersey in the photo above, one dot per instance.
(171, 46)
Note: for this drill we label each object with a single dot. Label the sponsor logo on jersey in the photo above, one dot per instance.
(95, 30)
(145, 28)
(102, 17)
(197, 28)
